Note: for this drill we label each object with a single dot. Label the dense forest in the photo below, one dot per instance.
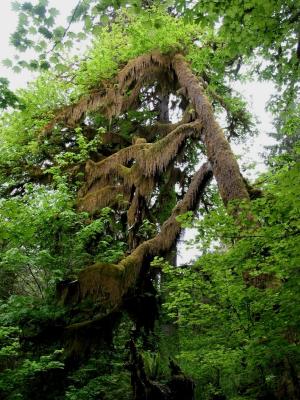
(122, 142)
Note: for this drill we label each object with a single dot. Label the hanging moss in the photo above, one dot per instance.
(223, 162)
(108, 283)
(132, 173)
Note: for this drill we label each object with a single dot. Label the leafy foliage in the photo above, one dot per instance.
(132, 36)
(235, 309)
(237, 322)
(7, 97)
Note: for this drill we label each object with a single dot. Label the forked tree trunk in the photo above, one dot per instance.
(135, 173)
(109, 283)
(224, 165)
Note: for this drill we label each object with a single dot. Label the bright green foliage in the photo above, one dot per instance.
(132, 36)
(287, 131)
(109, 387)
(19, 130)
(22, 144)
(44, 239)
(269, 26)
(14, 380)
(9, 342)
(147, 230)
(235, 308)
(104, 375)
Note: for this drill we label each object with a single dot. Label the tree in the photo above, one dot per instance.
(237, 319)
(95, 179)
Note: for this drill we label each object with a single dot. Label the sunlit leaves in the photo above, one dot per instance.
(130, 37)
(43, 239)
(235, 307)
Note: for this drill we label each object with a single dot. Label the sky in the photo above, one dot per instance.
(8, 23)
(256, 93)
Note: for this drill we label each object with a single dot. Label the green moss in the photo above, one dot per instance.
(129, 37)
(168, 195)
(104, 269)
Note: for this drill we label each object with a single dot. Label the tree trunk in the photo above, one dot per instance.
(224, 165)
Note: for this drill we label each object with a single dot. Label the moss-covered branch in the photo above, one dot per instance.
(106, 284)
(223, 162)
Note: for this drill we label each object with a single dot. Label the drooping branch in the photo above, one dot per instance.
(104, 196)
(133, 172)
(171, 228)
(106, 284)
(223, 162)
(151, 158)
(113, 98)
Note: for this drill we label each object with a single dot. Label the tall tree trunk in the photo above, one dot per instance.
(224, 165)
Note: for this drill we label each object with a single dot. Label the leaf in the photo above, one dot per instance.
(15, 5)
(7, 63)
(16, 69)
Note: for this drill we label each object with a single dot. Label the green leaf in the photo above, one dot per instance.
(7, 63)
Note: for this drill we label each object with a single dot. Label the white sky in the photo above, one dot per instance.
(256, 93)
(8, 23)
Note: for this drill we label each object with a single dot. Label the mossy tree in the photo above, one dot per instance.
(86, 156)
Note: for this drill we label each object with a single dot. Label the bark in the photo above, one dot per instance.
(111, 99)
(163, 108)
(224, 165)
(179, 387)
(108, 283)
